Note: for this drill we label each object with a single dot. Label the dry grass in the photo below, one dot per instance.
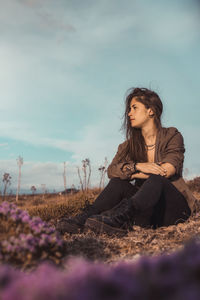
(138, 242)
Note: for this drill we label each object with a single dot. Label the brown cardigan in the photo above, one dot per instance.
(169, 148)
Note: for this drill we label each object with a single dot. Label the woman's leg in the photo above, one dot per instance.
(169, 205)
(176, 209)
(113, 193)
(163, 204)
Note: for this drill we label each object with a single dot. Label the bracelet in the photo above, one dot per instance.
(135, 168)
(131, 168)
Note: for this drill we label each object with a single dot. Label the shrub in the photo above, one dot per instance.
(26, 240)
(194, 184)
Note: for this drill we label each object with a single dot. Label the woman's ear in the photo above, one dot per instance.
(151, 113)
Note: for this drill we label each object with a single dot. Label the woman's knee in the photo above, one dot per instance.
(158, 178)
(118, 182)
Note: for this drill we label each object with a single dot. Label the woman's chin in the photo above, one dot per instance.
(135, 126)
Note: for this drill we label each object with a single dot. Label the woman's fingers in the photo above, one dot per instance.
(151, 168)
(159, 170)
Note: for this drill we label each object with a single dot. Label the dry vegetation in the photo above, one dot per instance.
(138, 242)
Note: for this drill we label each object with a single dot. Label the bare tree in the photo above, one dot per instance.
(103, 171)
(84, 166)
(20, 163)
(85, 181)
(79, 175)
(7, 181)
(64, 176)
(33, 189)
(43, 186)
(89, 167)
(72, 188)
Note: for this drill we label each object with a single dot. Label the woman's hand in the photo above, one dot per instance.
(151, 168)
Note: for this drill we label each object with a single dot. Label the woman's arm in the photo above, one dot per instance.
(170, 169)
(172, 161)
(116, 166)
(172, 157)
(173, 154)
(139, 175)
(151, 168)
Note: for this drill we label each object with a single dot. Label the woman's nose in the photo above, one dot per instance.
(130, 112)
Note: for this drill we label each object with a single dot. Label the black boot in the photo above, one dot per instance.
(118, 224)
(75, 224)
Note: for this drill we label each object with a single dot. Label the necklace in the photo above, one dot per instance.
(149, 145)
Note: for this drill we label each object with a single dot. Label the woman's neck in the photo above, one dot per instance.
(149, 133)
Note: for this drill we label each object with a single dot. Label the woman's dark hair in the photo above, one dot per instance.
(136, 145)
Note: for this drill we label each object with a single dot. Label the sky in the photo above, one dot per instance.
(65, 69)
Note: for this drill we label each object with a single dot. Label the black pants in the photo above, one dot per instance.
(157, 202)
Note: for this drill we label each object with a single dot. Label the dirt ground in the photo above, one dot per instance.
(140, 241)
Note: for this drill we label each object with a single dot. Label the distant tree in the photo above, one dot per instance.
(103, 171)
(72, 188)
(20, 163)
(89, 167)
(86, 177)
(64, 176)
(7, 181)
(43, 189)
(33, 189)
(79, 175)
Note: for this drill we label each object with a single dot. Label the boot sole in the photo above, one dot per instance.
(100, 227)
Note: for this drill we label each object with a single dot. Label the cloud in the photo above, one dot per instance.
(95, 141)
(49, 21)
(33, 3)
(48, 173)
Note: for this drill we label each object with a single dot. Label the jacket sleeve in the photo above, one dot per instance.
(174, 151)
(115, 168)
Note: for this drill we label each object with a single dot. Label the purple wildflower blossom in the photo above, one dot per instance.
(41, 236)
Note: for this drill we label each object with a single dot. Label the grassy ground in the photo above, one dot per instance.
(94, 247)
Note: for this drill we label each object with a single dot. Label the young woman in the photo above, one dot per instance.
(153, 157)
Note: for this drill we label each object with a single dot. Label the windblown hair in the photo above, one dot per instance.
(136, 145)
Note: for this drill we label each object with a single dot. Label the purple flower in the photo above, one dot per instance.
(7, 276)
(46, 283)
(41, 236)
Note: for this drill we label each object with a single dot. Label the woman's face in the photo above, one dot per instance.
(139, 115)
